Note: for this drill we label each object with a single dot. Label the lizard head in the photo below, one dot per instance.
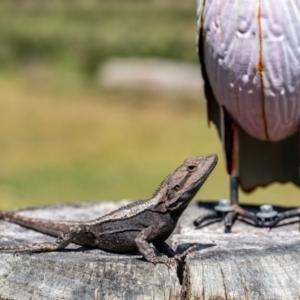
(183, 184)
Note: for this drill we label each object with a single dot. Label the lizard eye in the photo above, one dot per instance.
(192, 168)
(177, 187)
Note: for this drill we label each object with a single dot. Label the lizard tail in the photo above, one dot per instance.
(51, 227)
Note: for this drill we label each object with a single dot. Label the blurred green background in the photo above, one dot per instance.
(65, 138)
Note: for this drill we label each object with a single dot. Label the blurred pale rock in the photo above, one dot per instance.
(151, 74)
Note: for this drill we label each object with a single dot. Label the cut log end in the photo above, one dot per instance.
(250, 263)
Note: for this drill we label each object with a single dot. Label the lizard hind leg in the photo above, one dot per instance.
(60, 243)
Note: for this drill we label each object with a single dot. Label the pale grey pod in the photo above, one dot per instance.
(252, 59)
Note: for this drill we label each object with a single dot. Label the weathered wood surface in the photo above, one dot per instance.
(77, 272)
(250, 263)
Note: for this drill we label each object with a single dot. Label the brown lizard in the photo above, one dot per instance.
(132, 227)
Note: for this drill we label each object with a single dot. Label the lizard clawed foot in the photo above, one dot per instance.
(22, 251)
(189, 250)
(168, 261)
(18, 249)
(32, 248)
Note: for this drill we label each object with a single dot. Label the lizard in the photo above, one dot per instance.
(134, 226)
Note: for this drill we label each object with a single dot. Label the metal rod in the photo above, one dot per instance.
(234, 190)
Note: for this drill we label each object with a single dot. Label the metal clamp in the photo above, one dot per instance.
(266, 212)
(224, 205)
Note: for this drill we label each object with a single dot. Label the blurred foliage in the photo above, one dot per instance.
(64, 139)
(79, 35)
(88, 144)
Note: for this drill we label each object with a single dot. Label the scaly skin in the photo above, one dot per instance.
(131, 227)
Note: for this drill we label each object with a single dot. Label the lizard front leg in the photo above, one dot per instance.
(163, 247)
(144, 247)
(61, 242)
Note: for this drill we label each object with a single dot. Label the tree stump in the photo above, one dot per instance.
(250, 263)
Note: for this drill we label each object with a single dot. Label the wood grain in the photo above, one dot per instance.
(250, 263)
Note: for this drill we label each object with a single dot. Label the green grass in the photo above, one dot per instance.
(62, 139)
(94, 144)
(79, 35)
